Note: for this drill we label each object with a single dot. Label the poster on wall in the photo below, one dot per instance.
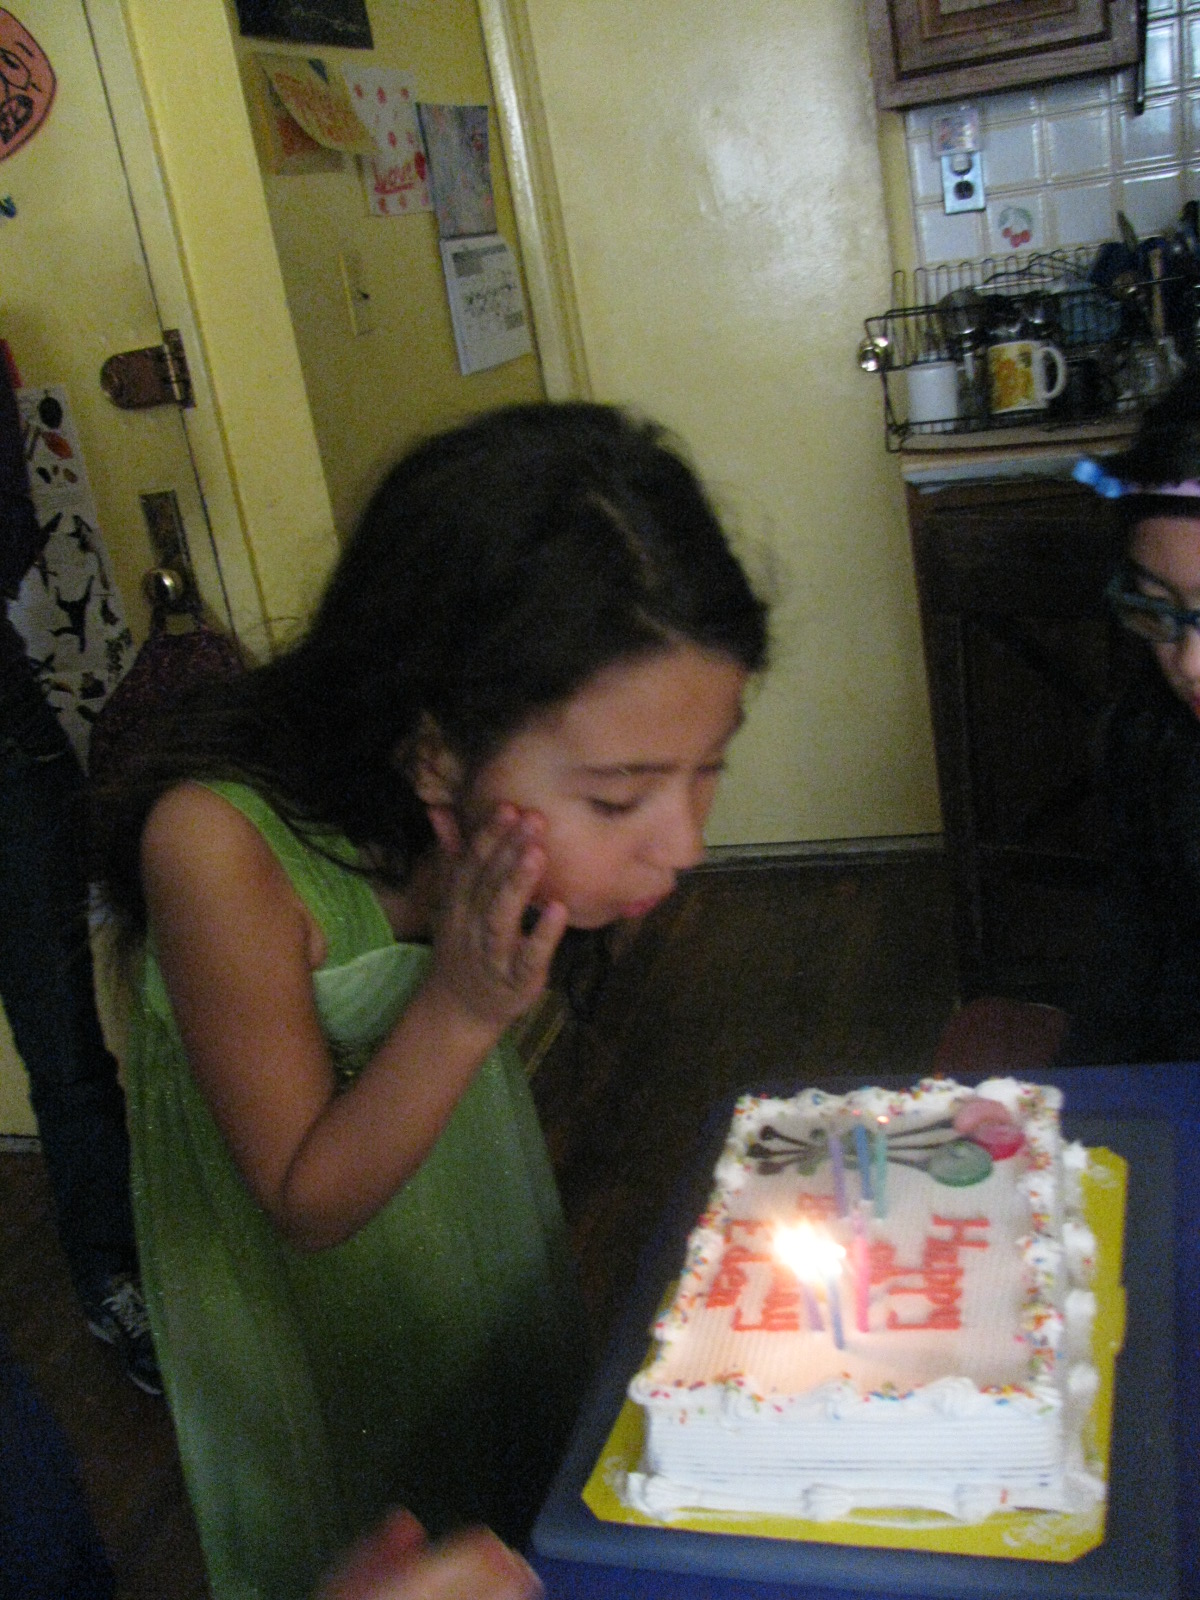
(486, 304)
(283, 146)
(343, 22)
(68, 609)
(460, 172)
(395, 175)
(27, 85)
(318, 101)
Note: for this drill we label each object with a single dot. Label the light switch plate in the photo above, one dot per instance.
(962, 182)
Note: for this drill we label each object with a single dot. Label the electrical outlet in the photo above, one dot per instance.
(358, 296)
(962, 181)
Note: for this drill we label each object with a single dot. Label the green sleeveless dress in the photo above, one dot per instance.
(434, 1360)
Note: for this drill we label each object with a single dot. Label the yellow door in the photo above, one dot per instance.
(74, 289)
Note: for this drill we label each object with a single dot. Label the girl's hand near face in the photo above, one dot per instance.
(238, 947)
(489, 962)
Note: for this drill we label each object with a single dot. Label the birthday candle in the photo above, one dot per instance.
(880, 1154)
(835, 1311)
(860, 1266)
(811, 1309)
(839, 1172)
(863, 1153)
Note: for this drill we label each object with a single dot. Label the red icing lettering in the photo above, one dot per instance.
(730, 1278)
(780, 1312)
(942, 1318)
(937, 1277)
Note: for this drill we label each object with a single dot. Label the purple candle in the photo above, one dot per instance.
(839, 1172)
(811, 1309)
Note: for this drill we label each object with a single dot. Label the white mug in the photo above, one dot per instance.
(1019, 375)
(932, 395)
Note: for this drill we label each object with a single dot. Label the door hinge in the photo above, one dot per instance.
(155, 376)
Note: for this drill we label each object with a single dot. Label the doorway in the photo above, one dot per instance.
(77, 288)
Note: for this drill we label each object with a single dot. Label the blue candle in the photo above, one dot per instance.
(880, 1142)
(862, 1151)
(839, 1173)
(835, 1311)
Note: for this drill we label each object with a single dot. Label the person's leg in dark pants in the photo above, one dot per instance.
(46, 983)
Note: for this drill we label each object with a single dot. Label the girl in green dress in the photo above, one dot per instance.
(346, 873)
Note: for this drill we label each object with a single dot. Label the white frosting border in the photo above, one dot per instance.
(1058, 1256)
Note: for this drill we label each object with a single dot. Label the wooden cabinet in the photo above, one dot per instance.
(930, 50)
(1021, 656)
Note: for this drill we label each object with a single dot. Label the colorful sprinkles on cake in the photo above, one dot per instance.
(947, 1140)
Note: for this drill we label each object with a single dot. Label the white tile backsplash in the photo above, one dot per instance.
(925, 171)
(1081, 213)
(958, 237)
(1072, 154)
(1162, 56)
(1072, 94)
(1013, 157)
(1152, 201)
(1016, 222)
(1154, 137)
(1078, 144)
(1191, 47)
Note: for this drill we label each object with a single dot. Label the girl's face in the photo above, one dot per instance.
(1166, 552)
(624, 774)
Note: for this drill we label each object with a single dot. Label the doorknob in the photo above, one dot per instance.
(171, 585)
(166, 589)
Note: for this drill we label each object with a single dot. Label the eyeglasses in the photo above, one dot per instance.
(1155, 620)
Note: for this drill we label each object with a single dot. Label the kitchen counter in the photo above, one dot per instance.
(1032, 452)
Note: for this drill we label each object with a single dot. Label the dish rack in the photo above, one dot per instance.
(1124, 329)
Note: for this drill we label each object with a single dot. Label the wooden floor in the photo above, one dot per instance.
(750, 975)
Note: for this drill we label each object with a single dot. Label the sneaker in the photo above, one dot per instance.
(119, 1318)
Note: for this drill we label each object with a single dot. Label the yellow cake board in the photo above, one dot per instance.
(1028, 1535)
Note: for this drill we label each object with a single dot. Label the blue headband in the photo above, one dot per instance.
(1093, 475)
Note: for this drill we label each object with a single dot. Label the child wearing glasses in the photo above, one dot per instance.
(1141, 999)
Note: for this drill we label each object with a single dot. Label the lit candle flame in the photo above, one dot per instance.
(814, 1257)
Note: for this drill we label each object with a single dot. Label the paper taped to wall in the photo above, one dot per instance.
(487, 306)
(319, 101)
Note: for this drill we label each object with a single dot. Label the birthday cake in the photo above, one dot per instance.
(884, 1306)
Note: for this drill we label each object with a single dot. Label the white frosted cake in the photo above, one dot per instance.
(929, 1347)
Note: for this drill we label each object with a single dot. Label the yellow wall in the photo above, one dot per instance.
(311, 413)
(724, 207)
(723, 203)
(372, 394)
(193, 91)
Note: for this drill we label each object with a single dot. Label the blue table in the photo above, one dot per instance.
(1151, 1115)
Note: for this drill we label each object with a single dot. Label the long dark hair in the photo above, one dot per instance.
(1165, 450)
(497, 568)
